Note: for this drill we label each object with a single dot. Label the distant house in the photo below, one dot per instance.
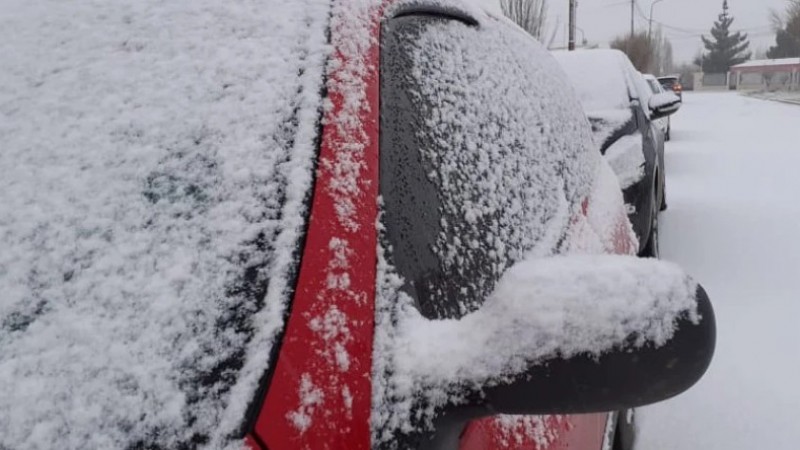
(767, 74)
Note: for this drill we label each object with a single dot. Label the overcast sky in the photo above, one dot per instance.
(684, 20)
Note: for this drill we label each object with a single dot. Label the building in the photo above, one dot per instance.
(767, 74)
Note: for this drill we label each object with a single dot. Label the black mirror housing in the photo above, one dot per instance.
(569, 334)
(663, 105)
(627, 377)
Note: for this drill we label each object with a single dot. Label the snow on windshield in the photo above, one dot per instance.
(601, 79)
(155, 161)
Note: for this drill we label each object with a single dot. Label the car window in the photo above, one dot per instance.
(479, 163)
(654, 86)
(643, 89)
(668, 82)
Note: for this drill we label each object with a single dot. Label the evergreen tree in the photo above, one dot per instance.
(724, 49)
(787, 39)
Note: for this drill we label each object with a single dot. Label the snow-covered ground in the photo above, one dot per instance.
(733, 178)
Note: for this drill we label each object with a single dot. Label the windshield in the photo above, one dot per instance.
(599, 77)
(156, 161)
(668, 82)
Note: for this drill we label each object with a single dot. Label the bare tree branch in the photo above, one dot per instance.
(530, 15)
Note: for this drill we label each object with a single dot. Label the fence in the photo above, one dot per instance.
(769, 81)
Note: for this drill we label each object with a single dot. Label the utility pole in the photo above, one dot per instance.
(633, 5)
(573, 5)
(650, 26)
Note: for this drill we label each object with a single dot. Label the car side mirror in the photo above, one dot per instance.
(663, 105)
(566, 335)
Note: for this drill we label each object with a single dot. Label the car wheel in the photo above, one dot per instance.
(663, 195)
(651, 250)
(625, 434)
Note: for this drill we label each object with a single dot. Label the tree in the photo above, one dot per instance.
(687, 72)
(648, 55)
(787, 33)
(724, 49)
(661, 47)
(638, 49)
(530, 15)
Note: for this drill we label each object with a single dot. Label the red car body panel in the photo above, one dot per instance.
(313, 400)
(556, 433)
(321, 399)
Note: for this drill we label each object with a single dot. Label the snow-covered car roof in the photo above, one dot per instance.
(155, 160)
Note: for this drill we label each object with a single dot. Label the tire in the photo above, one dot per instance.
(625, 434)
(663, 195)
(651, 250)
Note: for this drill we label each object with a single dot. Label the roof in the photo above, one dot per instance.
(768, 64)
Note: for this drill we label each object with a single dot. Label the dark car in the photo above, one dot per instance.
(312, 225)
(672, 83)
(621, 109)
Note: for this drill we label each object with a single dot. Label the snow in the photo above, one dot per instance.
(611, 428)
(151, 153)
(609, 299)
(606, 82)
(732, 222)
(311, 398)
(514, 430)
(601, 78)
(626, 158)
(353, 22)
(480, 193)
(659, 101)
(768, 63)
(790, 97)
(605, 227)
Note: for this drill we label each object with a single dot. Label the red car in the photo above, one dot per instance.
(314, 225)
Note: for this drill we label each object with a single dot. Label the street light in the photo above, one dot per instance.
(650, 26)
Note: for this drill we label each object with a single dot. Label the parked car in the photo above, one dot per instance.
(333, 226)
(621, 110)
(664, 123)
(672, 83)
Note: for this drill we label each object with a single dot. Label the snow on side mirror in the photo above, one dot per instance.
(663, 104)
(564, 335)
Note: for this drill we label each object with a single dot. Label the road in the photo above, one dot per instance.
(733, 178)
